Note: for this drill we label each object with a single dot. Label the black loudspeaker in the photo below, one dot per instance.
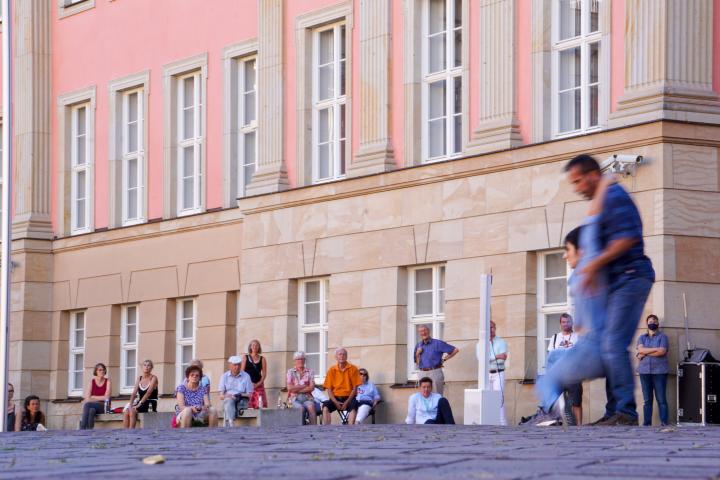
(698, 389)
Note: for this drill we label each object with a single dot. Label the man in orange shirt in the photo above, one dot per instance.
(340, 385)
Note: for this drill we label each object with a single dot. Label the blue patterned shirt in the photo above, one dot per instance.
(432, 352)
(620, 219)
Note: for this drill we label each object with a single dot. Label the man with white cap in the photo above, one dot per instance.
(235, 389)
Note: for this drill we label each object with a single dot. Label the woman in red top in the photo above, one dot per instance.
(96, 393)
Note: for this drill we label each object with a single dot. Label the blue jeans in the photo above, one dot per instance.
(625, 303)
(656, 382)
(581, 362)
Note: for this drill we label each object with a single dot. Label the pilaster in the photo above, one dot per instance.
(271, 174)
(498, 126)
(668, 63)
(375, 154)
(32, 110)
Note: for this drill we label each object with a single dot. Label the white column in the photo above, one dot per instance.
(498, 126)
(271, 174)
(375, 153)
(32, 68)
(668, 63)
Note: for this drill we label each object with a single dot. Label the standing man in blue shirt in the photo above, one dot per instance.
(630, 276)
(429, 357)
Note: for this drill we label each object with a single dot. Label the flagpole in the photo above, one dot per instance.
(7, 178)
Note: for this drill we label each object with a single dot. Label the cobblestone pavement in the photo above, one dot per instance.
(377, 451)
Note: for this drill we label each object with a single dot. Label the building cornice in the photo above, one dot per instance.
(521, 157)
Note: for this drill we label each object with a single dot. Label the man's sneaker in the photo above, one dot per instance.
(599, 421)
(620, 419)
(543, 419)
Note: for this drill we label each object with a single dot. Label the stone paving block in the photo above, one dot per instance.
(368, 451)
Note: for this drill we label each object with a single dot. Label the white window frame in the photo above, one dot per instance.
(196, 142)
(67, 8)
(137, 155)
(73, 351)
(436, 318)
(245, 127)
(183, 341)
(448, 75)
(321, 327)
(172, 98)
(234, 128)
(127, 384)
(545, 309)
(86, 168)
(584, 40)
(336, 103)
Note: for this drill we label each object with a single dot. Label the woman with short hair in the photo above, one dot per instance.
(300, 385)
(367, 396)
(193, 401)
(31, 419)
(143, 397)
(96, 394)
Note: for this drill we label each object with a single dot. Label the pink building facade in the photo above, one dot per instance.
(323, 173)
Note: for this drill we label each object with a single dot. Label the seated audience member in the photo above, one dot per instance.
(367, 396)
(235, 389)
(96, 394)
(300, 382)
(193, 401)
(31, 419)
(340, 383)
(205, 380)
(255, 365)
(426, 407)
(319, 397)
(144, 395)
(10, 425)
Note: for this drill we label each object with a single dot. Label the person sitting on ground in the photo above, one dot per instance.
(300, 382)
(340, 383)
(367, 396)
(10, 425)
(235, 390)
(143, 397)
(96, 394)
(205, 380)
(193, 401)
(427, 407)
(255, 365)
(31, 419)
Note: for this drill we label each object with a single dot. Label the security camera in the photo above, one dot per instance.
(623, 163)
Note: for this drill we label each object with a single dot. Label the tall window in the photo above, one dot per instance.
(329, 98)
(426, 306)
(190, 139)
(553, 273)
(576, 57)
(133, 157)
(313, 323)
(442, 79)
(77, 353)
(128, 347)
(247, 122)
(81, 164)
(185, 332)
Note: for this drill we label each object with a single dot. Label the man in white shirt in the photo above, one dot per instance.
(559, 343)
(427, 407)
(235, 389)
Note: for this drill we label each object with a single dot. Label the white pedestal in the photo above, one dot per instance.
(482, 407)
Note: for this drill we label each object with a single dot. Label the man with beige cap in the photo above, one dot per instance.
(235, 389)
